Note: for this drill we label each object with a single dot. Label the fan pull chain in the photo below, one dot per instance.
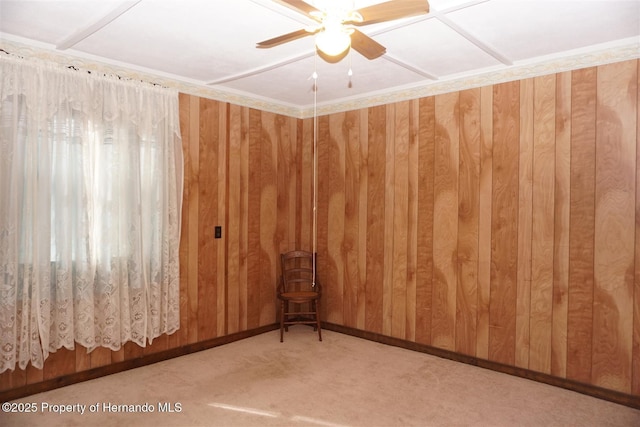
(350, 72)
(315, 171)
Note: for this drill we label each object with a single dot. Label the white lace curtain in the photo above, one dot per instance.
(90, 199)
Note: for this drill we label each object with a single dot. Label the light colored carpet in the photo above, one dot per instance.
(342, 381)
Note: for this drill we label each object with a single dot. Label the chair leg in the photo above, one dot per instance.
(286, 310)
(317, 307)
(281, 321)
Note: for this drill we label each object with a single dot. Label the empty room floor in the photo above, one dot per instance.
(341, 381)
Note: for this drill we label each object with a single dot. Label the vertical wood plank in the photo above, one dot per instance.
(581, 220)
(222, 220)
(306, 201)
(159, 344)
(61, 363)
(234, 216)
(445, 225)
(253, 227)
(561, 227)
(35, 376)
(468, 215)
(336, 217)
(131, 351)
(192, 170)
(614, 217)
(398, 265)
(119, 355)
(184, 102)
(363, 209)
(375, 218)
(323, 210)
(635, 381)
(504, 226)
(291, 125)
(542, 242)
(243, 224)
(300, 181)
(83, 358)
(268, 217)
(525, 220)
(412, 224)
(13, 379)
(6, 379)
(297, 149)
(387, 290)
(207, 218)
(351, 131)
(424, 271)
(285, 185)
(484, 220)
(101, 356)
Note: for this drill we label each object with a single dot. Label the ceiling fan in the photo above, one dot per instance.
(335, 27)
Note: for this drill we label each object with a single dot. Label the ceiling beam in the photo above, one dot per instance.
(473, 39)
(260, 70)
(82, 34)
(409, 67)
(284, 9)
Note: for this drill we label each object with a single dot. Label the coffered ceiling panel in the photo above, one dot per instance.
(443, 51)
(524, 30)
(194, 39)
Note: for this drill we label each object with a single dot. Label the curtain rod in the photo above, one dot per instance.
(97, 73)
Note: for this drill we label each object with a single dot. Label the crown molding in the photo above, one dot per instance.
(623, 50)
(618, 51)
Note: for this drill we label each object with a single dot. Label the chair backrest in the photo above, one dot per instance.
(297, 271)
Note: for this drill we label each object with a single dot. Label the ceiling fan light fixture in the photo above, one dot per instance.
(354, 16)
(333, 42)
(317, 15)
(312, 28)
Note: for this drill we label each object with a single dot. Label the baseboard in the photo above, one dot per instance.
(113, 368)
(630, 400)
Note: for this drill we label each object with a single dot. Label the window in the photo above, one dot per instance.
(90, 196)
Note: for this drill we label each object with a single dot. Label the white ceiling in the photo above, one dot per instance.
(209, 45)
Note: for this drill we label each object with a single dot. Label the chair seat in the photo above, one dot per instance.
(301, 296)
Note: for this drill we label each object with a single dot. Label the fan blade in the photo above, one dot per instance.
(283, 39)
(368, 47)
(390, 10)
(299, 6)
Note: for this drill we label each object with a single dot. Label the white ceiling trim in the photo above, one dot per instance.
(407, 66)
(261, 69)
(621, 50)
(471, 38)
(80, 35)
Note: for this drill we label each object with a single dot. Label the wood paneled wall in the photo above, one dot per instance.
(498, 222)
(242, 171)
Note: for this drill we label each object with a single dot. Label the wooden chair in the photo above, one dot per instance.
(297, 288)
